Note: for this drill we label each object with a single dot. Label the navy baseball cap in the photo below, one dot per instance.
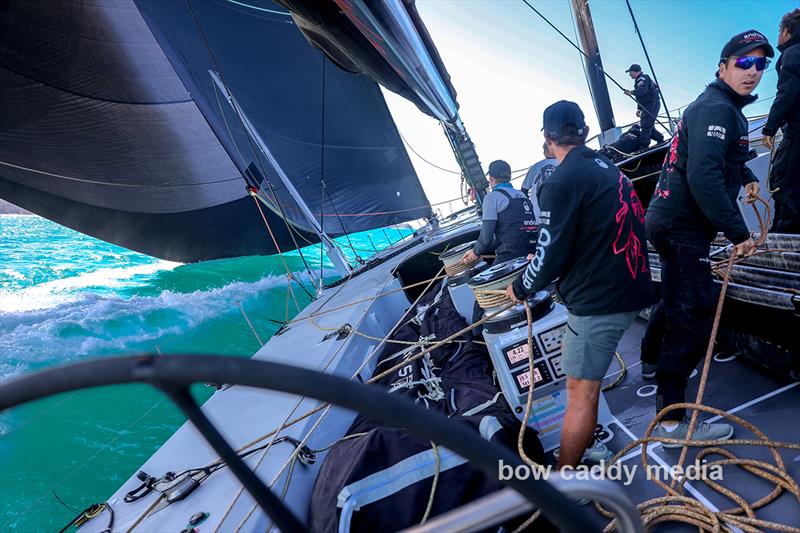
(634, 68)
(561, 114)
(745, 42)
(500, 170)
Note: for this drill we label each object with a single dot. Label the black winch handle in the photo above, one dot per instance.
(142, 490)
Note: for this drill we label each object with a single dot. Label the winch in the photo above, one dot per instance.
(458, 275)
(506, 336)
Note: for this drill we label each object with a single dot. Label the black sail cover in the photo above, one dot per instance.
(110, 124)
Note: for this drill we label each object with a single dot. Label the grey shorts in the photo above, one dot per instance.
(590, 343)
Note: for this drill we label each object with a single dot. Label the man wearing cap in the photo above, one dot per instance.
(509, 227)
(784, 179)
(694, 199)
(592, 240)
(648, 102)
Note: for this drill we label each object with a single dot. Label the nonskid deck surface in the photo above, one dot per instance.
(771, 404)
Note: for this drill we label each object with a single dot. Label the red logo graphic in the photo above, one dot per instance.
(662, 187)
(630, 212)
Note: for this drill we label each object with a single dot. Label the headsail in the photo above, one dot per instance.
(388, 41)
(104, 132)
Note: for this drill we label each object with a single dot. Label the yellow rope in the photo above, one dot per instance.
(637, 178)
(527, 415)
(458, 268)
(434, 484)
(489, 299)
(634, 169)
(623, 371)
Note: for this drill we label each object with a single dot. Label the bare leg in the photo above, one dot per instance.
(579, 420)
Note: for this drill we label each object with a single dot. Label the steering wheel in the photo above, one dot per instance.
(174, 374)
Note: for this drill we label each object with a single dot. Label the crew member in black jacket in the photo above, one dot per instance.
(648, 100)
(592, 240)
(785, 113)
(694, 199)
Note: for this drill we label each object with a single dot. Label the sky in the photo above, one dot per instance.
(508, 65)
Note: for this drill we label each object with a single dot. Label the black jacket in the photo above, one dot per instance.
(591, 238)
(786, 107)
(705, 168)
(645, 91)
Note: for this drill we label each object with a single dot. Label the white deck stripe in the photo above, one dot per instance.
(627, 367)
(702, 499)
(756, 400)
(736, 409)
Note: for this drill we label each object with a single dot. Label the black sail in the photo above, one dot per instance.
(121, 135)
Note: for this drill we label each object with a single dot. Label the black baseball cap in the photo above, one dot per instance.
(500, 170)
(559, 115)
(745, 42)
(635, 68)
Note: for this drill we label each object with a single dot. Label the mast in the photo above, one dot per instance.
(594, 71)
(335, 255)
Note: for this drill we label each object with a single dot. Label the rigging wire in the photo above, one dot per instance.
(322, 170)
(341, 223)
(598, 67)
(289, 275)
(122, 185)
(434, 165)
(33, 507)
(292, 232)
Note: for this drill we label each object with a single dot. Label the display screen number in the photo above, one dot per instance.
(517, 354)
(524, 378)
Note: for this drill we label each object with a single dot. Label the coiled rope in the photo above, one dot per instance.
(490, 298)
(457, 268)
(676, 507)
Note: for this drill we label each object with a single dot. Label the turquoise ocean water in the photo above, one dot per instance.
(66, 297)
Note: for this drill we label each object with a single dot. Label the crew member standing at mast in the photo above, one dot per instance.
(694, 199)
(509, 227)
(648, 100)
(785, 112)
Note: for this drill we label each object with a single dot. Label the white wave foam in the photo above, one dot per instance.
(100, 325)
(55, 292)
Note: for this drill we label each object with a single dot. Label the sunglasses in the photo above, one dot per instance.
(746, 62)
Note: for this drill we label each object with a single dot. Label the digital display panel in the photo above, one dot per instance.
(524, 379)
(551, 339)
(515, 354)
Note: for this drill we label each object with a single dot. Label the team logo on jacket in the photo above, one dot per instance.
(662, 187)
(716, 131)
(630, 215)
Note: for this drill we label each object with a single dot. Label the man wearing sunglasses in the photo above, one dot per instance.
(785, 112)
(694, 199)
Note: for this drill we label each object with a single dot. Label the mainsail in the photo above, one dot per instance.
(124, 136)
